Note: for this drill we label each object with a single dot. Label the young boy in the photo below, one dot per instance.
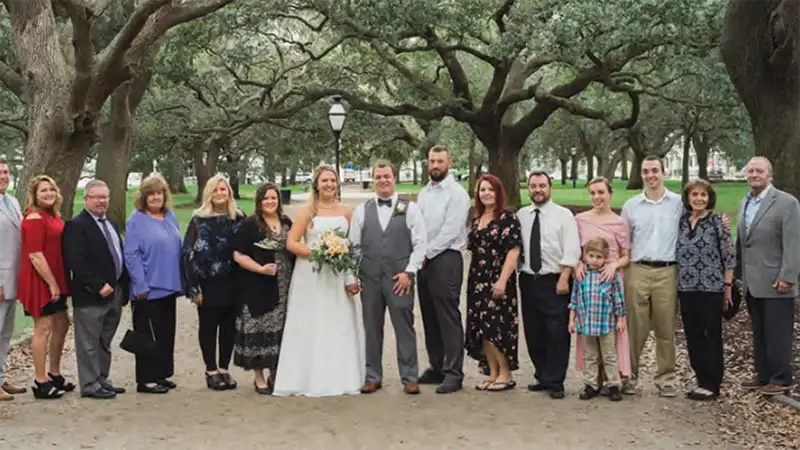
(597, 311)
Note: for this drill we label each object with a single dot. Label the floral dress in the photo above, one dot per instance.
(495, 320)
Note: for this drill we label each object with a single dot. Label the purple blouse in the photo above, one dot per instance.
(153, 255)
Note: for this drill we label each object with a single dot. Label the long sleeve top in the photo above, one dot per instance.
(208, 250)
(153, 255)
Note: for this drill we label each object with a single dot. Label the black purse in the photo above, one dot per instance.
(737, 296)
(138, 343)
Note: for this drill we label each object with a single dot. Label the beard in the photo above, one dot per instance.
(544, 199)
(438, 178)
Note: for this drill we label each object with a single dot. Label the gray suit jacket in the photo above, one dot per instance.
(9, 249)
(771, 251)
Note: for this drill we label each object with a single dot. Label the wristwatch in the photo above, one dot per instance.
(410, 275)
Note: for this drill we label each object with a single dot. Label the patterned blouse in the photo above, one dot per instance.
(597, 304)
(704, 253)
(208, 249)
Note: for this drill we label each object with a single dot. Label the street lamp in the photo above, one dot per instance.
(336, 116)
(573, 151)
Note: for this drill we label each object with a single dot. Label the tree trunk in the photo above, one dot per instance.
(589, 167)
(293, 176)
(472, 173)
(685, 160)
(635, 178)
(416, 174)
(503, 165)
(573, 172)
(285, 177)
(624, 169)
(759, 47)
(205, 169)
(173, 174)
(611, 167)
(701, 151)
(564, 167)
(601, 165)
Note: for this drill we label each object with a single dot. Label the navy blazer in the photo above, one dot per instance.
(89, 262)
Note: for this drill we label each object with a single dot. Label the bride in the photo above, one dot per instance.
(322, 352)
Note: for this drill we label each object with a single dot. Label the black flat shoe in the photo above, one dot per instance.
(155, 389)
(614, 394)
(230, 383)
(167, 384)
(588, 393)
(263, 390)
(61, 383)
(99, 394)
(430, 376)
(216, 382)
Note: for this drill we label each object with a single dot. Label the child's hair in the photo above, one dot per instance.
(598, 245)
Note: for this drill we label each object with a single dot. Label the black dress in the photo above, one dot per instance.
(494, 320)
(259, 325)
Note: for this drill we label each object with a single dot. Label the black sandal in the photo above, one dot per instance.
(61, 383)
(46, 390)
(230, 383)
(264, 390)
(216, 382)
(484, 385)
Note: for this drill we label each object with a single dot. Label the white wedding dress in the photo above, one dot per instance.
(322, 352)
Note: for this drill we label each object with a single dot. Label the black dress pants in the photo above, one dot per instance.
(773, 327)
(702, 323)
(156, 318)
(545, 319)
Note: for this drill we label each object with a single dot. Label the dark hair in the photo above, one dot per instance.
(540, 173)
(261, 194)
(499, 195)
(603, 180)
(382, 164)
(702, 184)
(655, 158)
(439, 149)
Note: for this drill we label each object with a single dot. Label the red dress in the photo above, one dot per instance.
(40, 235)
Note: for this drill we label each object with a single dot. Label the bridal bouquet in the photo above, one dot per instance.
(335, 251)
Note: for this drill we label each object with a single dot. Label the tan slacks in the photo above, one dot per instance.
(651, 297)
(597, 349)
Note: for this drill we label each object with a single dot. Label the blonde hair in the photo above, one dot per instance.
(148, 187)
(32, 202)
(598, 245)
(313, 202)
(206, 208)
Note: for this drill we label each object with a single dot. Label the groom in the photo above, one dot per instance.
(391, 233)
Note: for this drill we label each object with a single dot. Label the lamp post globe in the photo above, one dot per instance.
(336, 117)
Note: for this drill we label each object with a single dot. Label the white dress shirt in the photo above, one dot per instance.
(561, 246)
(414, 221)
(654, 226)
(445, 207)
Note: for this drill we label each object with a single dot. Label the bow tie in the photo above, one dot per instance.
(382, 202)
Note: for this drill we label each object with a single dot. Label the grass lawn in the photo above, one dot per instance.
(728, 197)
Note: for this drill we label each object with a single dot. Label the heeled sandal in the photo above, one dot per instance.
(230, 383)
(61, 383)
(216, 382)
(46, 390)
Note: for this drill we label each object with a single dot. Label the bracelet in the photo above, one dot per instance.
(727, 283)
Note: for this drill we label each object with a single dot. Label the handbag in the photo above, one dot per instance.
(138, 343)
(737, 291)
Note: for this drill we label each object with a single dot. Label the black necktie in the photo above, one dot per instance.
(385, 202)
(535, 248)
(111, 247)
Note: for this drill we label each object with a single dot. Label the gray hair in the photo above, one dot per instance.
(3, 160)
(763, 159)
(93, 184)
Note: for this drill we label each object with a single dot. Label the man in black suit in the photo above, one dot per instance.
(93, 255)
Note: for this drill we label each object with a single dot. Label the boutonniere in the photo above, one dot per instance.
(267, 244)
(400, 209)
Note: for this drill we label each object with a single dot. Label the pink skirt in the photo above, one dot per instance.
(623, 354)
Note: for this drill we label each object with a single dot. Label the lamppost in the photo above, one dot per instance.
(336, 116)
(573, 151)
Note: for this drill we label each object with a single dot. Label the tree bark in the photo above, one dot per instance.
(503, 165)
(623, 171)
(611, 167)
(206, 167)
(685, 160)
(760, 49)
(564, 167)
(471, 169)
(702, 149)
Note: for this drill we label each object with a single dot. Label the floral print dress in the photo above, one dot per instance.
(494, 320)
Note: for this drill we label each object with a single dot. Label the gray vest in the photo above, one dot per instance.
(384, 252)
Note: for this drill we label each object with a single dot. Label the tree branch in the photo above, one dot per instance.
(81, 18)
(11, 124)
(498, 15)
(12, 80)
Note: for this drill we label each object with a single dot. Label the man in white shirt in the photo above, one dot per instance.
(10, 217)
(551, 248)
(445, 206)
(391, 234)
(651, 284)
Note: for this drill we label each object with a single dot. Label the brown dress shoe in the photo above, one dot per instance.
(411, 388)
(11, 389)
(369, 388)
(5, 396)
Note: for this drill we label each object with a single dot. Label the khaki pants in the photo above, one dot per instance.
(651, 298)
(598, 349)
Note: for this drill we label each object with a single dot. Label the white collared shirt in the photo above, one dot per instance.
(560, 244)
(414, 221)
(654, 226)
(445, 207)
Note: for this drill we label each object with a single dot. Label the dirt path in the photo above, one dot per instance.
(193, 417)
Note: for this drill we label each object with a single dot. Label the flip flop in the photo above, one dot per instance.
(484, 385)
(506, 385)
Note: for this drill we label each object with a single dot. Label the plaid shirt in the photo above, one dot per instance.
(597, 304)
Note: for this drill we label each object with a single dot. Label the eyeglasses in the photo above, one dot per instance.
(98, 197)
